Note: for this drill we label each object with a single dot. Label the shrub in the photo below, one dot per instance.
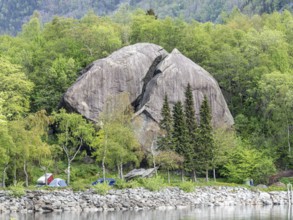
(152, 184)
(122, 184)
(102, 188)
(187, 186)
(17, 190)
(133, 184)
(79, 185)
(248, 163)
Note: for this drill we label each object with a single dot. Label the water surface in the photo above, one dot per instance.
(206, 213)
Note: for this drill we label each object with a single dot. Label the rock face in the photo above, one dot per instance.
(147, 72)
(175, 72)
(126, 70)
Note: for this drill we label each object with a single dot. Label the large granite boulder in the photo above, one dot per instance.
(147, 72)
(126, 70)
(173, 75)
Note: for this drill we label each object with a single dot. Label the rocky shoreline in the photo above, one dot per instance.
(137, 199)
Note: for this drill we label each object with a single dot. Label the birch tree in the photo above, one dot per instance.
(73, 132)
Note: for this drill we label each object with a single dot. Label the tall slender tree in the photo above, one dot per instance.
(73, 132)
(192, 128)
(190, 112)
(206, 143)
(180, 136)
(165, 141)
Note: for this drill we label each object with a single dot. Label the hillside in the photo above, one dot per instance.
(14, 13)
(250, 57)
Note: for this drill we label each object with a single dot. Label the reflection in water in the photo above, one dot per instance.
(206, 213)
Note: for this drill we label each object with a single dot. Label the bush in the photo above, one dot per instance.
(287, 180)
(122, 184)
(245, 163)
(152, 184)
(79, 185)
(18, 190)
(187, 186)
(102, 188)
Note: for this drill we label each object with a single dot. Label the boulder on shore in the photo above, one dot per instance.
(147, 73)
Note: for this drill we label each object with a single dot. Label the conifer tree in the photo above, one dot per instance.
(180, 135)
(192, 128)
(190, 112)
(165, 142)
(206, 143)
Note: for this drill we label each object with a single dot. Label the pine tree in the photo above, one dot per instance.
(180, 135)
(165, 142)
(190, 112)
(206, 143)
(192, 128)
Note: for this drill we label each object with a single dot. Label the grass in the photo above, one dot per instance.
(82, 175)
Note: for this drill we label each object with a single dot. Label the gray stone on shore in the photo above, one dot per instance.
(147, 73)
(138, 198)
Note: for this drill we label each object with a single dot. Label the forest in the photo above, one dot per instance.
(251, 57)
(14, 13)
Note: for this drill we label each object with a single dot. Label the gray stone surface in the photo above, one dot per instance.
(140, 173)
(175, 72)
(147, 72)
(126, 70)
(138, 199)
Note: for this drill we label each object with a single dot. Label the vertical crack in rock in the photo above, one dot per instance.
(148, 77)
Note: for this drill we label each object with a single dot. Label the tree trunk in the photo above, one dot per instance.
(121, 171)
(194, 176)
(104, 157)
(4, 176)
(46, 179)
(25, 173)
(168, 176)
(118, 169)
(207, 175)
(104, 168)
(68, 172)
(182, 175)
(14, 176)
(154, 162)
(288, 137)
(214, 174)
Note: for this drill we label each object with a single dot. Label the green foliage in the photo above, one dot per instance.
(250, 57)
(17, 190)
(180, 134)
(205, 139)
(244, 163)
(122, 184)
(273, 189)
(80, 185)
(73, 132)
(15, 90)
(287, 180)
(169, 160)
(153, 183)
(225, 142)
(190, 113)
(116, 143)
(187, 186)
(102, 188)
(165, 141)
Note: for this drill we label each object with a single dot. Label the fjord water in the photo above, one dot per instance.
(205, 213)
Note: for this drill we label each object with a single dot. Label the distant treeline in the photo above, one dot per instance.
(14, 13)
